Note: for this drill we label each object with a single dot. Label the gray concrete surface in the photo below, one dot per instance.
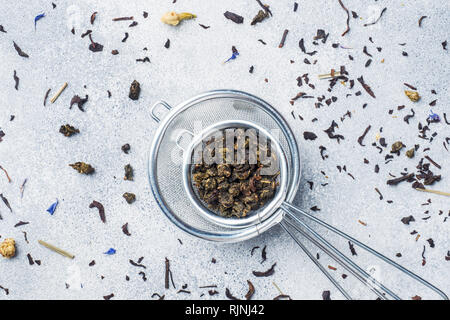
(34, 149)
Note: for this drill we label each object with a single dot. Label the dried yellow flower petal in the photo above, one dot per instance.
(8, 248)
(412, 95)
(174, 18)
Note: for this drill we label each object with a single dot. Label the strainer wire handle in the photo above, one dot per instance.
(292, 211)
(152, 109)
(363, 280)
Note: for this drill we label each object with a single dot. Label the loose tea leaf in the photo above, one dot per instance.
(361, 138)
(326, 295)
(267, 273)
(19, 51)
(68, 130)
(93, 16)
(397, 146)
(135, 90)
(78, 101)
(94, 46)
(5, 201)
(233, 17)
(309, 135)
(366, 87)
(101, 210)
(16, 80)
(125, 229)
(372, 23)
(283, 39)
(129, 197)
(229, 295)
(251, 290)
(407, 220)
(82, 167)
(46, 96)
(128, 173)
(126, 148)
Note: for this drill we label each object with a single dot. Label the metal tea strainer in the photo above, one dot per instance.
(169, 174)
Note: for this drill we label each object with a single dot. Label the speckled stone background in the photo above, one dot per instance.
(34, 149)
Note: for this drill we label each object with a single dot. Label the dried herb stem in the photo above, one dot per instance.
(57, 250)
(434, 191)
(64, 86)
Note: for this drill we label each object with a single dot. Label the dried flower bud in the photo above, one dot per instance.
(82, 167)
(8, 248)
(129, 197)
(174, 18)
(412, 95)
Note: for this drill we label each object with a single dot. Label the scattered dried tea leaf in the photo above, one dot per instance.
(94, 46)
(78, 101)
(19, 51)
(326, 295)
(129, 197)
(267, 273)
(125, 229)
(126, 148)
(82, 167)
(68, 130)
(397, 146)
(5, 201)
(233, 17)
(251, 290)
(407, 220)
(135, 90)
(309, 135)
(16, 80)
(101, 209)
(260, 16)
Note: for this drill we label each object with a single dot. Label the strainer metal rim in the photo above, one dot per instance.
(238, 234)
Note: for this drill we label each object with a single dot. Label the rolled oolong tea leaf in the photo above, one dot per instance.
(412, 95)
(410, 153)
(259, 17)
(129, 197)
(128, 173)
(397, 146)
(68, 130)
(8, 248)
(82, 167)
(234, 189)
(135, 90)
(126, 148)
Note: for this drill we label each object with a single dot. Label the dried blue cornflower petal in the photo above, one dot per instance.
(433, 117)
(52, 208)
(37, 18)
(110, 251)
(234, 55)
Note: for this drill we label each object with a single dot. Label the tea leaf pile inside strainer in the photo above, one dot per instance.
(166, 159)
(275, 166)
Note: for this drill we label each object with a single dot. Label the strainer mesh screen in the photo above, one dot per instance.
(169, 161)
